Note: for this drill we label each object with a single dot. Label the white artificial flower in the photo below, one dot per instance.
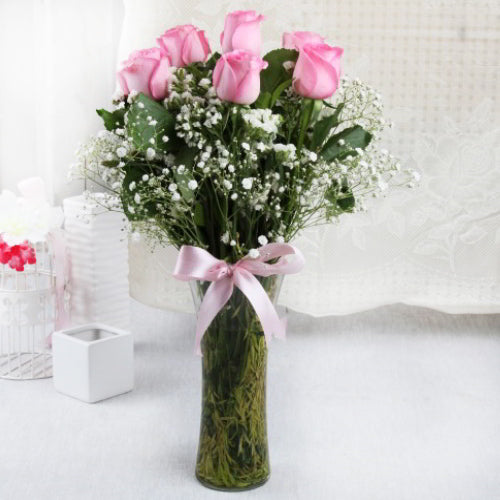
(254, 253)
(262, 240)
(192, 184)
(29, 217)
(247, 183)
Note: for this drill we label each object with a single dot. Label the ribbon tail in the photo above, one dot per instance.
(216, 296)
(255, 293)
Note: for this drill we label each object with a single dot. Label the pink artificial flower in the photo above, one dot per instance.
(236, 77)
(318, 70)
(184, 45)
(146, 71)
(298, 39)
(17, 256)
(5, 253)
(242, 32)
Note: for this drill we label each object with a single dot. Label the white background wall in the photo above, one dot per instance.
(436, 62)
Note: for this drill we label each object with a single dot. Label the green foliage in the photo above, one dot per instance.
(276, 74)
(134, 170)
(112, 119)
(305, 118)
(323, 127)
(353, 137)
(212, 61)
(139, 128)
(341, 199)
(185, 156)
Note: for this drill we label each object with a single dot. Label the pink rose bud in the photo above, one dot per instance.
(184, 45)
(297, 39)
(146, 71)
(318, 70)
(242, 32)
(236, 76)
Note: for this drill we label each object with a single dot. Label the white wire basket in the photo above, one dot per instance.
(27, 318)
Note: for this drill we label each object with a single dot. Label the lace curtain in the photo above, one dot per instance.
(436, 63)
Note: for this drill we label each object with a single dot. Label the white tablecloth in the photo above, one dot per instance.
(393, 404)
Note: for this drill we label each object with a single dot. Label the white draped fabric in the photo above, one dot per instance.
(436, 63)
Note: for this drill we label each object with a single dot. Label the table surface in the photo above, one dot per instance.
(395, 403)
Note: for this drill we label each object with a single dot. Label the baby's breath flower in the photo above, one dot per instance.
(254, 253)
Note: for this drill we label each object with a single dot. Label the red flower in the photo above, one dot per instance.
(17, 256)
(5, 252)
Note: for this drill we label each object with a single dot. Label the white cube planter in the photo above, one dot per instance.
(93, 362)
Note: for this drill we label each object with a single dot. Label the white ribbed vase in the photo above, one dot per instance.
(98, 252)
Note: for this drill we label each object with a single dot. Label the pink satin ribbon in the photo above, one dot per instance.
(195, 263)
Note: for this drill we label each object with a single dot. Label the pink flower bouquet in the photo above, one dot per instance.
(228, 156)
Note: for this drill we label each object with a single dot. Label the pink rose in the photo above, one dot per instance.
(318, 70)
(146, 71)
(236, 77)
(242, 32)
(185, 45)
(297, 39)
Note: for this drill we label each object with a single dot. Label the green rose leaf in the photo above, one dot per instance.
(264, 100)
(353, 137)
(341, 199)
(141, 131)
(323, 126)
(112, 119)
(276, 74)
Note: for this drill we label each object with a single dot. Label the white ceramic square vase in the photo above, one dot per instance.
(93, 362)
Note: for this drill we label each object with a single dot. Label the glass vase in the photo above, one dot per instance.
(233, 450)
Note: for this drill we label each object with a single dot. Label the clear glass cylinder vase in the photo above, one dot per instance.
(233, 449)
(27, 318)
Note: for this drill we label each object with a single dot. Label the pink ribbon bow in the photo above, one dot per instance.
(195, 263)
